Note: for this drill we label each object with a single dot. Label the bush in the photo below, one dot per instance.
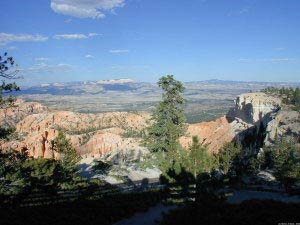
(284, 159)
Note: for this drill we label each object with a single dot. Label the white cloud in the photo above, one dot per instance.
(42, 67)
(279, 49)
(118, 51)
(42, 59)
(244, 10)
(269, 60)
(70, 36)
(94, 34)
(88, 56)
(75, 36)
(8, 38)
(11, 48)
(85, 8)
(68, 20)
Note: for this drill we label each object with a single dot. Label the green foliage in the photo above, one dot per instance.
(132, 133)
(253, 165)
(5, 132)
(168, 125)
(45, 174)
(284, 158)
(20, 174)
(199, 160)
(101, 167)
(229, 156)
(13, 177)
(7, 71)
(289, 96)
(168, 118)
(69, 157)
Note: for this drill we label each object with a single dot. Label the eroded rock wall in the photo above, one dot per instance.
(96, 135)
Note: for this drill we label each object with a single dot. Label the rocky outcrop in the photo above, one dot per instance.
(9, 117)
(253, 107)
(90, 134)
(213, 134)
(251, 111)
(97, 135)
(284, 124)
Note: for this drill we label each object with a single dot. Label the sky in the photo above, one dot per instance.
(79, 40)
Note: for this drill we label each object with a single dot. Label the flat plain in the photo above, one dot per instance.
(206, 100)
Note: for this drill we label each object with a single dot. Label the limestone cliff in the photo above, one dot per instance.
(251, 111)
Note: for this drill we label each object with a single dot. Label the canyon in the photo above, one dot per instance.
(97, 135)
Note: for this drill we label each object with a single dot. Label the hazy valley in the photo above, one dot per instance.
(206, 100)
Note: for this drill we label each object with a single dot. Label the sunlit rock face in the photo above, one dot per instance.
(253, 107)
(92, 135)
(286, 124)
(12, 115)
(97, 135)
(213, 134)
(250, 111)
(267, 113)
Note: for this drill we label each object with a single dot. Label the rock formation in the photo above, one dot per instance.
(90, 134)
(250, 111)
(96, 135)
(213, 134)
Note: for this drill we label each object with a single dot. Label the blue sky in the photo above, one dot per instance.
(69, 40)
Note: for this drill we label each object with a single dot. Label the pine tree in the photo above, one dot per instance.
(168, 118)
(8, 70)
(228, 155)
(62, 145)
(286, 162)
(200, 160)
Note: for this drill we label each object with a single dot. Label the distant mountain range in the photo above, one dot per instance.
(126, 84)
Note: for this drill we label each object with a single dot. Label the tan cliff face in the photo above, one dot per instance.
(90, 134)
(214, 134)
(250, 110)
(12, 115)
(95, 135)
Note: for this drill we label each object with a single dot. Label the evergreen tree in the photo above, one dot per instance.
(45, 174)
(199, 159)
(229, 155)
(286, 163)
(69, 157)
(14, 178)
(297, 97)
(8, 70)
(168, 118)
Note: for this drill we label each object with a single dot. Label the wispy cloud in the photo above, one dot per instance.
(88, 56)
(41, 68)
(269, 60)
(11, 48)
(42, 59)
(75, 36)
(6, 38)
(68, 20)
(280, 49)
(244, 10)
(118, 51)
(240, 12)
(85, 9)
(94, 34)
